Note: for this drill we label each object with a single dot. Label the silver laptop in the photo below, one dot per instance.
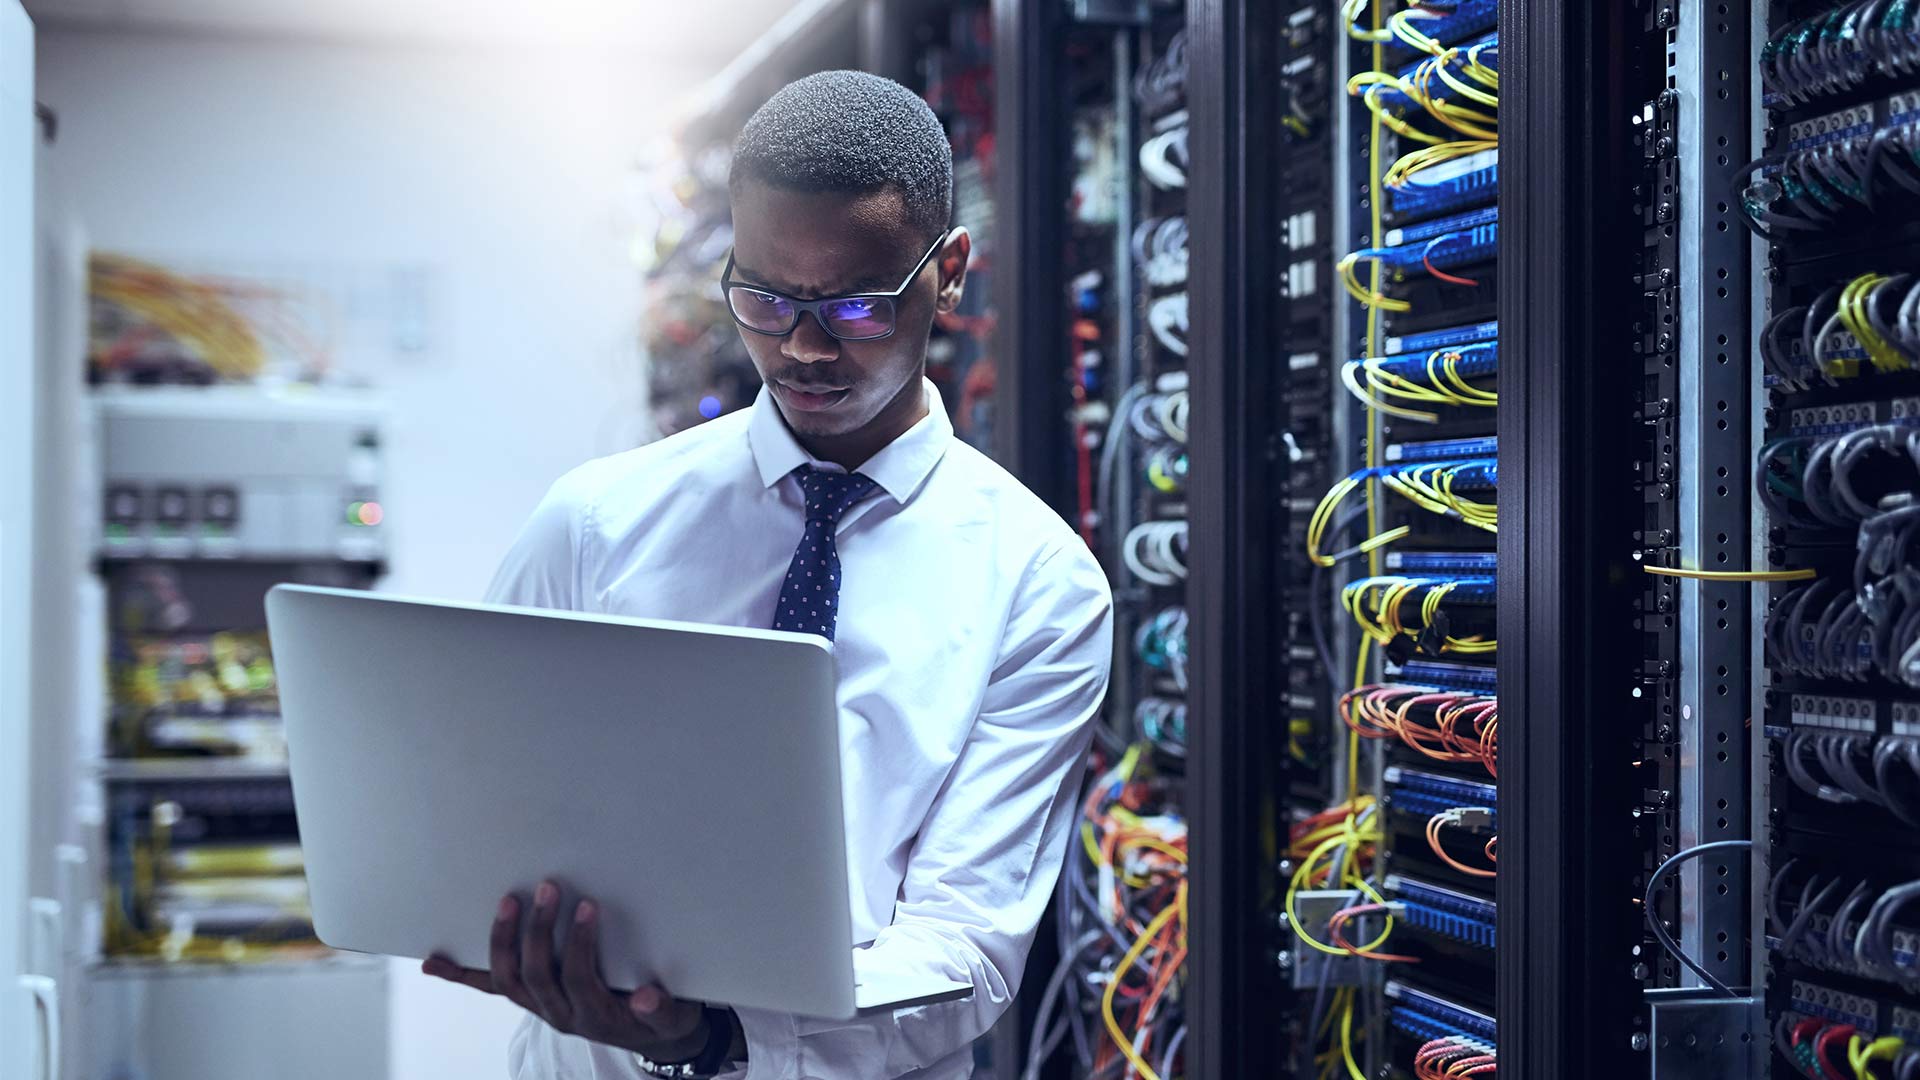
(687, 777)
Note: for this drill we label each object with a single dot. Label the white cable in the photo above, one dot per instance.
(1163, 158)
(1160, 248)
(1159, 563)
(1164, 316)
(1171, 411)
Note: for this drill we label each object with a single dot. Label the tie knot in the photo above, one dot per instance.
(830, 494)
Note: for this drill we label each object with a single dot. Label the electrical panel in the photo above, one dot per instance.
(1832, 196)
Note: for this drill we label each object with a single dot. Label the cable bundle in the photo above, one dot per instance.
(199, 315)
(1429, 485)
(1162, 722)
(1865, 481)
(1453, 90)
(1856, 937)
(1850, 767)
(1837, 49)
(1164, 157)
(1445, 725)
(1161, 83)
(1167, 469)
(1160, 248)
(1377, 604)
(1461, 74)
(1438, 382)
(1156, 552)
(1158, 417)
(1454, 1058)
(1874, 317)
(1161, 643)
(1469, 817)
(1812, 1046)
(1816, 187)
(1167, 318)
(1338, 848)
(1122, 911)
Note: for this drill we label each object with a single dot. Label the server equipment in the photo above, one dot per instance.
(1832, 193)
(207, 497)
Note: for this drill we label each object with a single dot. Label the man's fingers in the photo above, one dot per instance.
(441, 968)
(663, 1014)
(503, 952)
(537, 969)
(580, 976)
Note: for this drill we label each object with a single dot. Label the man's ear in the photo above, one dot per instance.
(952, 260)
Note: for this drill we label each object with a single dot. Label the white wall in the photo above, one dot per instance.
(503, 172)
(17, 1046)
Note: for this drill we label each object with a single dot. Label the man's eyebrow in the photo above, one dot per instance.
(868, 284)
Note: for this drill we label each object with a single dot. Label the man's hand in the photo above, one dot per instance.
(569, 994)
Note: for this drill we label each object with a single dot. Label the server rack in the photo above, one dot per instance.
(1833, 378)
(1620, 434)
(1094, 416)
(1629, 309)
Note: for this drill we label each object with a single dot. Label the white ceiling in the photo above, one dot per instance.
(684, 30)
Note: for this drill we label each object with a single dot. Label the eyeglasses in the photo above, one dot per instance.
(858, 317)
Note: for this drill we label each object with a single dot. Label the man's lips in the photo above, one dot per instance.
(811, 400)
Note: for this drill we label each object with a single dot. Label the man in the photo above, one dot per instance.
(972, 628)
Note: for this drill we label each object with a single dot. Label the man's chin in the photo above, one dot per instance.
(829, 422)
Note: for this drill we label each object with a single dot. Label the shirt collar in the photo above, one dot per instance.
(899, 468)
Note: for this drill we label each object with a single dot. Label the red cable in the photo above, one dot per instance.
(1427, 261)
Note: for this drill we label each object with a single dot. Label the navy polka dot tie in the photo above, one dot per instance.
(809, 600)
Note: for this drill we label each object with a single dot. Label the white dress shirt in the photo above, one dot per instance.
(973, 646)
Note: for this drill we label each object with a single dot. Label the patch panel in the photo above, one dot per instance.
(1428, 340)
(1448, 912)
(1831, 128)
(1453, 185)
(1443, 242)
(1826, 420)
(1833, 419)
(1425, 794)
(1469, 17)
(1466, 562)
(1485, 446)
(1429, 1016)
(1473, 360)
(1842, 713)
(1825, 1003)
(1473, 474)
(1428, 230)
(1442, 675)
(1395, 98)
(1904, 1023)
(1460, 590)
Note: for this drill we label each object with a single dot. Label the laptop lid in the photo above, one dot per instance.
(685, 776)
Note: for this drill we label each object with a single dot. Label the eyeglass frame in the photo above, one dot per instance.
(812, 307)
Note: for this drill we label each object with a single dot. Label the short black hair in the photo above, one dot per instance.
(854, 132)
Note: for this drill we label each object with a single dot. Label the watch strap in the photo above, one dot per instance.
(708, 1062)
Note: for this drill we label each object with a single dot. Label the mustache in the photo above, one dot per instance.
(807, 385)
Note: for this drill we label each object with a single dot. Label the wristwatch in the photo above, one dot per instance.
(704, 1065)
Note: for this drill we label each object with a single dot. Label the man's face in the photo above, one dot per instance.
(812, 245)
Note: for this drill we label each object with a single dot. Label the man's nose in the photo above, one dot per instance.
(809, 343)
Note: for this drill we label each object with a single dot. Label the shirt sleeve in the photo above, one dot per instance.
(542, 568)
(988, 854)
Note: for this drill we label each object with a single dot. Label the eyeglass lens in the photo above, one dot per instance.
(852, 319)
